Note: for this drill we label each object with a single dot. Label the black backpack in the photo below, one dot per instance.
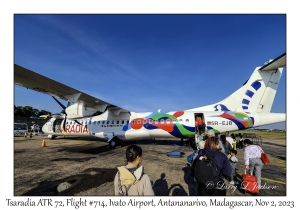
(205, 170)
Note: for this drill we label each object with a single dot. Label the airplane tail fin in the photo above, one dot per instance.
(257, 94)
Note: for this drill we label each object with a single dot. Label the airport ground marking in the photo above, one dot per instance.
(270, 180)
(280, 162)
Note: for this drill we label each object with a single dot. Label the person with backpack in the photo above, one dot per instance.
(210, 167)
(131, 179)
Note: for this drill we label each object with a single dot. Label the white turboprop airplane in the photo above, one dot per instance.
(247, 107)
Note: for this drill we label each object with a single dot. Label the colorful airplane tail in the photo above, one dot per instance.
(257, 94)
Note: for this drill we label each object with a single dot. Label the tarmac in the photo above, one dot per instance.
(87, 167)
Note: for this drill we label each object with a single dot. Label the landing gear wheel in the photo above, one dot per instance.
(114, 142)
(51, 137)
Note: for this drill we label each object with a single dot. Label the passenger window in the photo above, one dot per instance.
(168, 121)
(145, 121)
(162, 121)
(138, 122)
(156, 121)
(107, 122)
(98, 122)
(112, 122)
(90, 122)
(122, 122)
(174, 121)
(127, 121)
(94, 122)
(187, 121)
(117, 122)
(180, 120)
(150, 121)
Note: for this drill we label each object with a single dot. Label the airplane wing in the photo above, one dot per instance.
(32, 80)
(275, 64)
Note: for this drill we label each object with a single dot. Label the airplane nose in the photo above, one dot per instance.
(44, 128)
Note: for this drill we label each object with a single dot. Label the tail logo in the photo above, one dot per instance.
(249, 94)
(221, 107)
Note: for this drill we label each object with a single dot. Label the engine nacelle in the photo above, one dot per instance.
(79, 110)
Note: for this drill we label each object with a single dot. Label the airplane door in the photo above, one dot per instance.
(53, 125)
(203, 120)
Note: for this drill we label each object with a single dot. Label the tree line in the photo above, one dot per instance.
(28, 111)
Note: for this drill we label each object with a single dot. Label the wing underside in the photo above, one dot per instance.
(32, 80)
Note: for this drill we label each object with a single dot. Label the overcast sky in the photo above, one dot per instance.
(148, 62)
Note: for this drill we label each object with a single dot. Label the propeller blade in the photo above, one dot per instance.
(64, 125)
(77, 122)
(59, 103)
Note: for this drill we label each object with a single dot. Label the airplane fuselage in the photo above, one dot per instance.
(180, 124)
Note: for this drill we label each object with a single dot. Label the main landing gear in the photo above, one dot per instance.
(51, 136)
(114, 142)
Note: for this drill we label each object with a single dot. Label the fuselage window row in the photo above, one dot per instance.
(122, 122)
(162, 121)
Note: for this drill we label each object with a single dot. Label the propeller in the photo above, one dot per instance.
(64, 112)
